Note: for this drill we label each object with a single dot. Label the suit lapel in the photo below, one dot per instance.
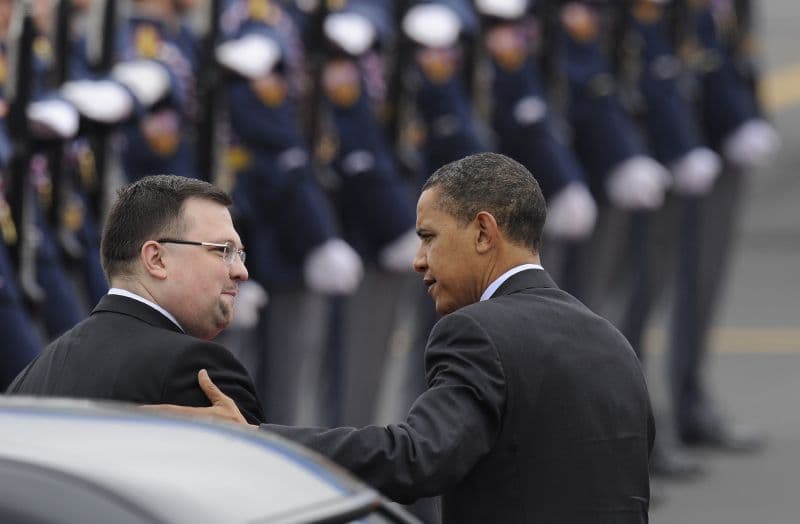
(134, 308)
(530, 278)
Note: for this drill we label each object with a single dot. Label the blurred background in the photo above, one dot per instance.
(756, 340)
(662, 133)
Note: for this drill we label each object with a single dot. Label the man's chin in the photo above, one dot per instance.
(443, 308)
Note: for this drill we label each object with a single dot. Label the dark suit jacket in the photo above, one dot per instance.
(128, 351)
(536, 411)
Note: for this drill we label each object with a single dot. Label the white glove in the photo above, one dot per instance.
(333, 268)
(571, 213)
(751, 145)
(103, 101)
(352, 32)
(249, 302)
(695, 172)
(148, 80)
(398, 255)
(432, 25)
(251, 56)
(637, 183)
(53, 118)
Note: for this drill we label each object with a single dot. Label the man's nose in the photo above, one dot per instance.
(420, 262)
(239, 270)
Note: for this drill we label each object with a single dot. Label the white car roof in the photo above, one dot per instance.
(182, 471)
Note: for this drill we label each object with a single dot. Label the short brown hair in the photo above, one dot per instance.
(148, 209)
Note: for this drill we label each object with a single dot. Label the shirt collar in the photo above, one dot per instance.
(134, 296)
(505, 276)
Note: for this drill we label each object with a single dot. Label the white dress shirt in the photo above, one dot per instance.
(505, 276)
(134, 296)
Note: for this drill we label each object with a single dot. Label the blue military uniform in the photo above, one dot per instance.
(442, 97)
(20, 343)
(61, 308)
(280, 209)
(282, 212)
(727, 100)
(521, 115)
(76, 219)
(157, 140)
(376, 205)
(603, 132)
(667, 113)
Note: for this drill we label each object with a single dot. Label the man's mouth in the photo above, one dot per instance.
(429, 282)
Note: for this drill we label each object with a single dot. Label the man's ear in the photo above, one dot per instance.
(151, 256)
(488, 232)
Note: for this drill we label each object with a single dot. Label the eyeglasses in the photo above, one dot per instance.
(228, 250)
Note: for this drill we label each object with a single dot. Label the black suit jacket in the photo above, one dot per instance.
(536, 411)
(128, 351)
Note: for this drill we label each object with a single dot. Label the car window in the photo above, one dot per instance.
(32, 494)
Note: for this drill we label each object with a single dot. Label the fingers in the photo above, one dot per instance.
(224, 407)
(214, 394)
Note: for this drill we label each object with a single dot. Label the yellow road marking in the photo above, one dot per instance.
(740, 340)
(780, 89)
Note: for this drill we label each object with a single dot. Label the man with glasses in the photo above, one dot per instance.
(174, 262)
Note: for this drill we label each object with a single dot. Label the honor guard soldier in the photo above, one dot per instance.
(722, 53)
(513, 35)
(44, 117)
(146, 86)
(375, 202)
(622, 175)
(20, 343)
(662, 103)
(440, 36)
(286, 220)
